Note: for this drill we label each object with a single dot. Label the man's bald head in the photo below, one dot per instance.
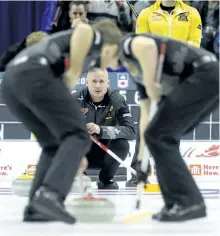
(97, 73)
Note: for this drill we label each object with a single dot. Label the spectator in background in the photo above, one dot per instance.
(78, 10)
(67, 12)
(13, 50)
(48, 15)
(209, 11)
(139, 6)
(108, 117)
(117, 10)
(171, 18)
(61, 17)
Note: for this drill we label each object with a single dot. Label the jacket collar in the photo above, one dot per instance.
(180, 7)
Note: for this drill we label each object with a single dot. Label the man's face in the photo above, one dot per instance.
(77, 12)
(97, 83)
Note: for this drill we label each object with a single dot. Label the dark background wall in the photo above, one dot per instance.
(18, 19)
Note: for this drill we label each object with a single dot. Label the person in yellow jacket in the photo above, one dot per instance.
(171, 18)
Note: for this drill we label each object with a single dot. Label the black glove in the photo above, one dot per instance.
(141, 176)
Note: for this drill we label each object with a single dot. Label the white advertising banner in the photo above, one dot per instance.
(15, 157)
(202, 158)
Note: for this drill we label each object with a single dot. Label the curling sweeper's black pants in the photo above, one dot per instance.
(43, 103)
(184, 108)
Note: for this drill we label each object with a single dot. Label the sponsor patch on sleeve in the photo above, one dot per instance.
(199, 27)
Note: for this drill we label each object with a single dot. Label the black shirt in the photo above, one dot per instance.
(178, 60)
(56, 47)
(168, 9)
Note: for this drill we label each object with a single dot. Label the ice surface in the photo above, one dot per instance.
(11, 208)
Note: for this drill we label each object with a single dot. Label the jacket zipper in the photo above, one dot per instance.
(169, 25)
(170, 20)
(96, 108)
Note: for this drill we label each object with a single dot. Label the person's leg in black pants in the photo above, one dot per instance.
(183, 109)
(110, 166)
(97, 158)
(46, 140)
(48, 99)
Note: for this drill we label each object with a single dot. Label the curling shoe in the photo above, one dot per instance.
(179, 213)
(50, 205)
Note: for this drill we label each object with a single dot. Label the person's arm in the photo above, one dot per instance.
(142, 49)
(143, 123)
(79, 48)
(195, 31)
(142, 23)
(145, 51)
(123, 14)
(125, 127)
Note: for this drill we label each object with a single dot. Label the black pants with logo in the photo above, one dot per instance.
(43, 103)
(98, 158)
(183, 109)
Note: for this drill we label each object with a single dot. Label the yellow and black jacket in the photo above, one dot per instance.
(184, 22)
